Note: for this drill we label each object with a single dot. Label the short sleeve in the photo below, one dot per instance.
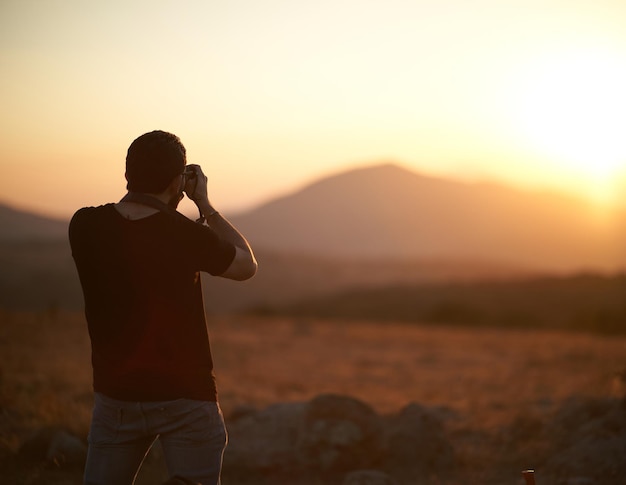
(211, 253)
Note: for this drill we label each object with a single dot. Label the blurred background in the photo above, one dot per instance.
(270, 95)
(435, 191)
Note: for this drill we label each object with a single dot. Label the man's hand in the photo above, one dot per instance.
(244, 264)
(196, 184)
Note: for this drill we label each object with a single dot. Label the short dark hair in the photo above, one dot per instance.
(153, 160)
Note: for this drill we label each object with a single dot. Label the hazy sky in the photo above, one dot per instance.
(267, 94)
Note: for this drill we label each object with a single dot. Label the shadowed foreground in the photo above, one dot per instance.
(321, 399)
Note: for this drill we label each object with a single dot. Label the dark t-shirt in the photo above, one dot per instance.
(143, 302)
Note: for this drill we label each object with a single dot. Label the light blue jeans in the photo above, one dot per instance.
(192, 435)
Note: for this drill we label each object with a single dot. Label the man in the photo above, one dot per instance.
(139, 262)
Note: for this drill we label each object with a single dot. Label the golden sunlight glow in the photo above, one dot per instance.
(573, 110)
(272, 94)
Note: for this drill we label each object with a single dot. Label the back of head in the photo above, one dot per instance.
(153, 160)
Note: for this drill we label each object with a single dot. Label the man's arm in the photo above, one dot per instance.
(244, 265)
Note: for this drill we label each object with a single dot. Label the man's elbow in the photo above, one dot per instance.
(246, 271)
(242, 268)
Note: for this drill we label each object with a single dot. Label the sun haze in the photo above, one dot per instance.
(268, 94)
(573, 108)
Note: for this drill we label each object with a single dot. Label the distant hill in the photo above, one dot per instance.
(364, 228)
(286, 277)
(385, 211)
(388, 211)
(581, 302)
(19, 225)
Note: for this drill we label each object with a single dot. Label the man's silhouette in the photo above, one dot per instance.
(139, 263)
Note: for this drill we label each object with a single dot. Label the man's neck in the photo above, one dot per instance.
(135, 206)
(134, 211)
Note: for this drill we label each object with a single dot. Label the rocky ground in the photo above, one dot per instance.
(358, 404)
(336, 439)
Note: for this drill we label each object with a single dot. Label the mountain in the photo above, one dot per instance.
(19, 226)
(364, 228)
(388, 211)
(37, 271)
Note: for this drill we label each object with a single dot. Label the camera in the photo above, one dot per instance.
(190, 173)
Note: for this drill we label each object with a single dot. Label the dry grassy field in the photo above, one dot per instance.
(487, 378)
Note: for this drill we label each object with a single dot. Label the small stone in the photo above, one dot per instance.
(368, 477)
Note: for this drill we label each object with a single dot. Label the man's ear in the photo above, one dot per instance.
(174, 186)
(126, 176)
(175, 183)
